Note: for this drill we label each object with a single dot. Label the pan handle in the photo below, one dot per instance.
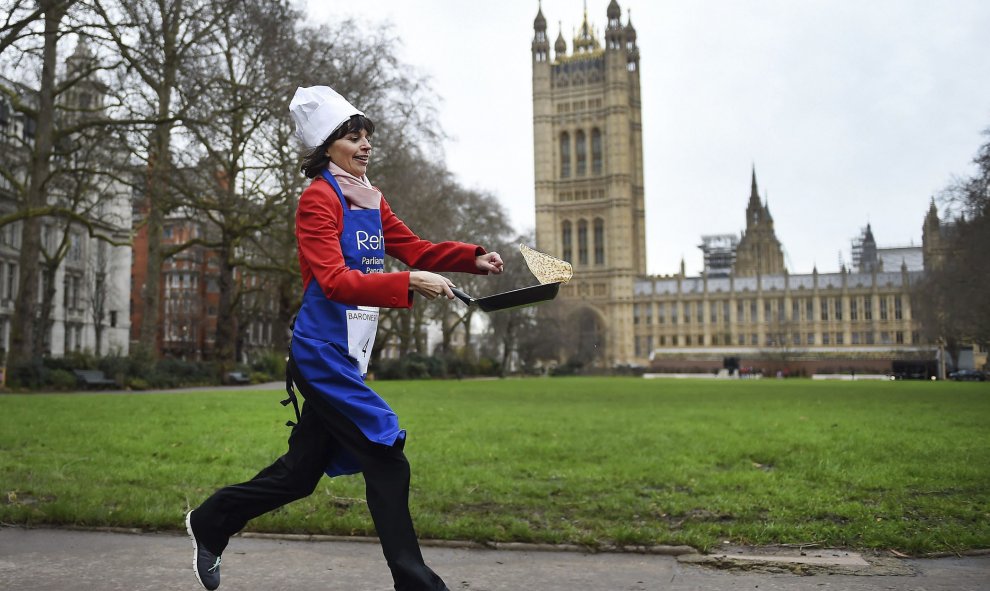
(468, 300)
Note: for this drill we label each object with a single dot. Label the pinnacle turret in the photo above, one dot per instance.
(614, 33)
(541, 47)
(630, 29)
(560, 46)
(81, 57)
(613, 11)
(540, 23)
(754, 193)
(585, 40)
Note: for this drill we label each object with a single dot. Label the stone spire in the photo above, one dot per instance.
(540, 22)
(932, 249)
(630, 29)
(865, 256)
(754, 209)
(632, 51)
(560, 46)
(81, 57)
(541, 46)
(759, 251)
(613, 11)
(585, 40)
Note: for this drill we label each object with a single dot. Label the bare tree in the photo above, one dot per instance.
(781, 329)
(21, 17)
(437, 208)
(23, 328)
(952, 297)
(99, 290)
(935, 311)
(548, 336)
(509, 326)
(160, 41)
(229, 180)
(478, 219)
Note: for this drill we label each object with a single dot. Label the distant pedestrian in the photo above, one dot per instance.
(344, 229)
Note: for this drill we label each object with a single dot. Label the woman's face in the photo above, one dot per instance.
(352, 152)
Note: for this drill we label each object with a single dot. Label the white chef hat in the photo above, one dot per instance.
(318, 111)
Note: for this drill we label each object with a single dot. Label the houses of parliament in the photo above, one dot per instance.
(589, 197)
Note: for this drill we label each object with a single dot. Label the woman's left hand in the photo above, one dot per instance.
(490, 262)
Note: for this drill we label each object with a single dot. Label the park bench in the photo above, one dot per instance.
(94, 378)
(238, 377)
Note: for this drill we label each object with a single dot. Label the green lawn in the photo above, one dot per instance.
(902, 465)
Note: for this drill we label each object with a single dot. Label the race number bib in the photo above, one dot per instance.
(362, 325)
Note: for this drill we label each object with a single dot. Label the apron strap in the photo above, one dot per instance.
(336, 189)
(292, 398)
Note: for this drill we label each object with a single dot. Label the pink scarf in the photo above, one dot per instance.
(359, 192)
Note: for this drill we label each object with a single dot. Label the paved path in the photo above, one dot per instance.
(64, 560)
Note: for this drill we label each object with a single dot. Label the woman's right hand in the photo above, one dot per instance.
(430, 285)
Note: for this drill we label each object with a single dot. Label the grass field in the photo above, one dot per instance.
(590, 461)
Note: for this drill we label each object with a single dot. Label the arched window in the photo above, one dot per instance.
(581, 150)
(582, 242)
(565, 238)
(565, 155)
(596, 151)
(599, 241)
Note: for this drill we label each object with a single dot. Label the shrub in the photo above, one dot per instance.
(61, 379)
(173, 373)
(141, 361)
(411, 367)
(31, 374)
(137, 384)
(269, 363)
(71, 361)
(115, 367)
(570, 368)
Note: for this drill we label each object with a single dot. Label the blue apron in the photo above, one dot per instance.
(332, 342)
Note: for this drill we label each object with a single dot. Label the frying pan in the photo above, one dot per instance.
(516, 298)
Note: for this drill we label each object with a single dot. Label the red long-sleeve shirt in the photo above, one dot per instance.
(319, 220)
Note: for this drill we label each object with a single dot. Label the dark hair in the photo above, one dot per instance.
(316, 160)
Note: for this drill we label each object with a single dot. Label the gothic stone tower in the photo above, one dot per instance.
(933, 239)
(587, 135)
(759, 251)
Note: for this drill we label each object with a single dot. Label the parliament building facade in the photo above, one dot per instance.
(745, 306)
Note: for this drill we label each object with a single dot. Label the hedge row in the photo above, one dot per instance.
(138, 371)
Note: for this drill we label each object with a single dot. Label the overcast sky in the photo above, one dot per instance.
(851, 111)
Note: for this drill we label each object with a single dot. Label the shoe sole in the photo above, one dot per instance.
(195, 562)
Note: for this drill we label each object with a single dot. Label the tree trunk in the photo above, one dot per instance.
(419, 336)
(24, 329)
(225, 347)
(287, 308)
(405, 332)
(99, 301)
(45, 320)
(508, 342)
(468, 316)
(98, 328)
(160, 163)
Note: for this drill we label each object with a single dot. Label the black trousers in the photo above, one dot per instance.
(320, 430)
